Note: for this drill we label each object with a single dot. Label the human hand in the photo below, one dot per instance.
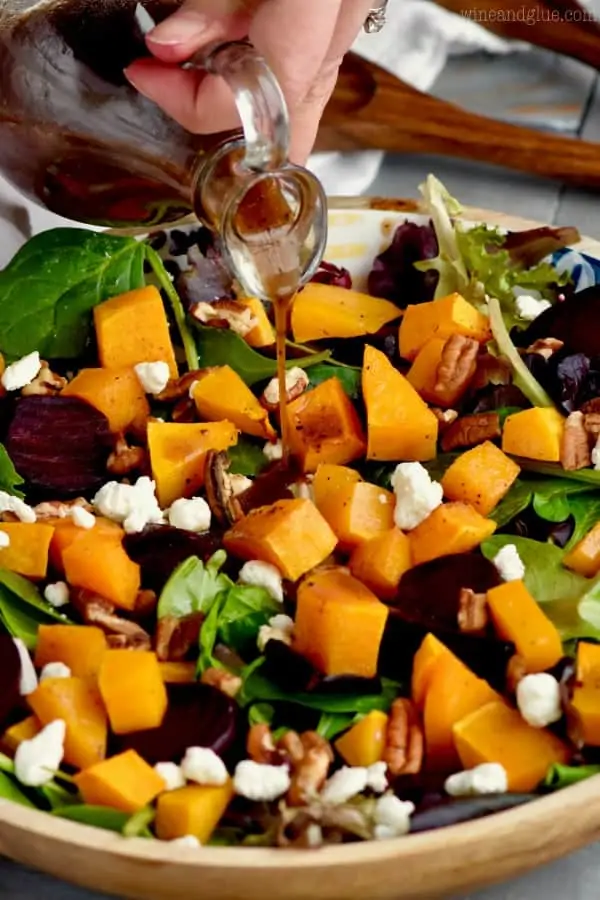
(303, 41)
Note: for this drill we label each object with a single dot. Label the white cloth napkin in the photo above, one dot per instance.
(415, 45)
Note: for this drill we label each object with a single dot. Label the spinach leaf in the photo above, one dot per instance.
(243, 612)
(193, 586)
(514, 502)
(559, 776)
(221, 346)
(437, 467)
(550, 497)
(585, 509)
(23, 609)
(10, 480)
(97, 816)
(571, 601)
(332, 724)
(138, 825)
(246, 458)
(208, 636)
(555, 470)
(261, 714)
(57, 796)
(10, 791)
(26, 591)
(168, 288)
(48, 290)
(349, 376)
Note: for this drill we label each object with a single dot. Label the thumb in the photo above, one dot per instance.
(194, 25)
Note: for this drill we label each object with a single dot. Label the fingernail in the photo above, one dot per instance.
(131, 79)
(180, 28)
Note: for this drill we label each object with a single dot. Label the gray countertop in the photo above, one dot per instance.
(534, 89)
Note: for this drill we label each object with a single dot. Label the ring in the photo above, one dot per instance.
(376, 19)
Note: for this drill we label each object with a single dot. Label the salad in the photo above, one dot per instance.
(394, 630)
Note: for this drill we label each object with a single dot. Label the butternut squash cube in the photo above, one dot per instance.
(80, 647)
(290, 534)
(78, 702)
(324, 427)
(424, 662)
(124, 782)
(178, 455)
(585, 703)
(356, 510)
(584, 557)
(381, 562)
(364, 743)
(588, 664)
(453, 692)
(133, 328)
(98, 562)
(482, 477)
(497, 733)
(16, 734)
(222, 394)
(451, 528)
(178, 672)
(115, 392)
(327, 311)
(518, 618)
(423, 375)
(262, 334)
(400, 425)
(328, 482)
(195, 810)
(66, 532)
(339, 624)
(441, 318)
(133, 690)
(27, 553)
(534, 433)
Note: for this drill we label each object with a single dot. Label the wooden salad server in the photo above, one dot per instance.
(373, 109)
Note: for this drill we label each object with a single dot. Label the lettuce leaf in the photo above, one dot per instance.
(193, 587)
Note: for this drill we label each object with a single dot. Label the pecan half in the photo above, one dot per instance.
(220, 489)
(591, 406)
(224, 681)
(125, 459)
(591, 423)
(404, 739)
(145, 603)
(445, 418)
(226, 313)
(575, 445)
(545, 347)
(470, 430)
(121, 633)
(46, 383)
(310, 771)
(296, 382)
(260, 746)
(177, 388)
(59, 509)
(516, 670)
(472, 612)
(175, 636)
(457, 365)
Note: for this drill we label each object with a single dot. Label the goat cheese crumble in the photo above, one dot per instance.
(509, 564)
(132, 505)
(529, 308)
(22, 372)
(57, 594)
(538, 699)
(38, 759)
(416, 495)
(190, 515)
(171, 774)
(260, 781)
(202, 765)
(488, 778)
(153, 376)
(263, 575)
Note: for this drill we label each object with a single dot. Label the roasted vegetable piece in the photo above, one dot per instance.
(133, 690)
(10, 678)
(263, 333)
(355, 509)
(133, 328)
(585, 555)
(66, 532)
(78, 702)
(16, 734)
(400, 424)
(381, 562)
(327, 311)
(159, 549)
(451, 528)
(59, 445)
(80, 647)
(178, 672)
(481, 476)
(518, 618)
(178, 455)
(222, 395)
(585, 703)
(452, 693)
(497, 733)
(290, 534)
(28, 550)
(115, 392)
(534, 433)
(97, 561)
(339, 623)
(423, 375)
(195, 809)
(124, 782)
(324, 427)
(441, 318)
(424, 663)
(364, 743)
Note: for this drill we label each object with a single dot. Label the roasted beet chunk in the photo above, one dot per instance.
(158, 550)
(198, 715)
(327, 273)
(60, 445)
(10, 675)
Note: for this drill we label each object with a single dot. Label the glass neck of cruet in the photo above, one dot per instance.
(271, 215)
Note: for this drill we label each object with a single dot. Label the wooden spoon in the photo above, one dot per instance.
(372, 109)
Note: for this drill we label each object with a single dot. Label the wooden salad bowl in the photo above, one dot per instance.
(445, 862)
